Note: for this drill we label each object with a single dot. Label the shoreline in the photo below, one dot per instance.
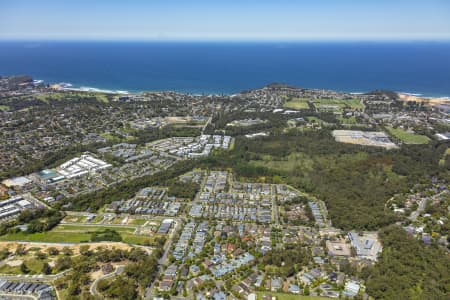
(404, 96)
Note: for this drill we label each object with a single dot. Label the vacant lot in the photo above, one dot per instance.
(408, 137)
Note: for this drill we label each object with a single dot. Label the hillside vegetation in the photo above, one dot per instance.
(354, 181)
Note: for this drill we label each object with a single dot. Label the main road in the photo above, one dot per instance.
(93, 288)
(163, 260)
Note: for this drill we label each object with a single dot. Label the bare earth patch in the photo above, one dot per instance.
(14, 263)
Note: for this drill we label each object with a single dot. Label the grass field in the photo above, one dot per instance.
(314, 119)
(407, 137)
(75, 219)
(285, 296)
(4, 107)
(74, 234)
(297, 103)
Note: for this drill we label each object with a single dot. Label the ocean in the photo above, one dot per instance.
(229, 67)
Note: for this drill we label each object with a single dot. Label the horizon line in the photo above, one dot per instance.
(237, 40)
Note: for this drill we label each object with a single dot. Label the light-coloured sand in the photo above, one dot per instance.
(407, 97)
(96, 274)
(14, 263)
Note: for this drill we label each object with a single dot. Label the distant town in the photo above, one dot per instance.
(273, 193)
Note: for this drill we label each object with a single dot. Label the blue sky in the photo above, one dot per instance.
(225, 20)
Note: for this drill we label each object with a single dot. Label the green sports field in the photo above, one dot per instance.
(407, 137)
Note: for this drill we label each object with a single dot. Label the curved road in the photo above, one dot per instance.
(93, 288)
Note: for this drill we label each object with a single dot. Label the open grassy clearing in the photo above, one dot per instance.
(314, 119)
(297, 103)
(351, 103)
(4, 107)
(81, 221)
(407, 137)
(137, 221)
(302, 103)
(290, 163)
(69, 95)
(34, 266)
(138, 239)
